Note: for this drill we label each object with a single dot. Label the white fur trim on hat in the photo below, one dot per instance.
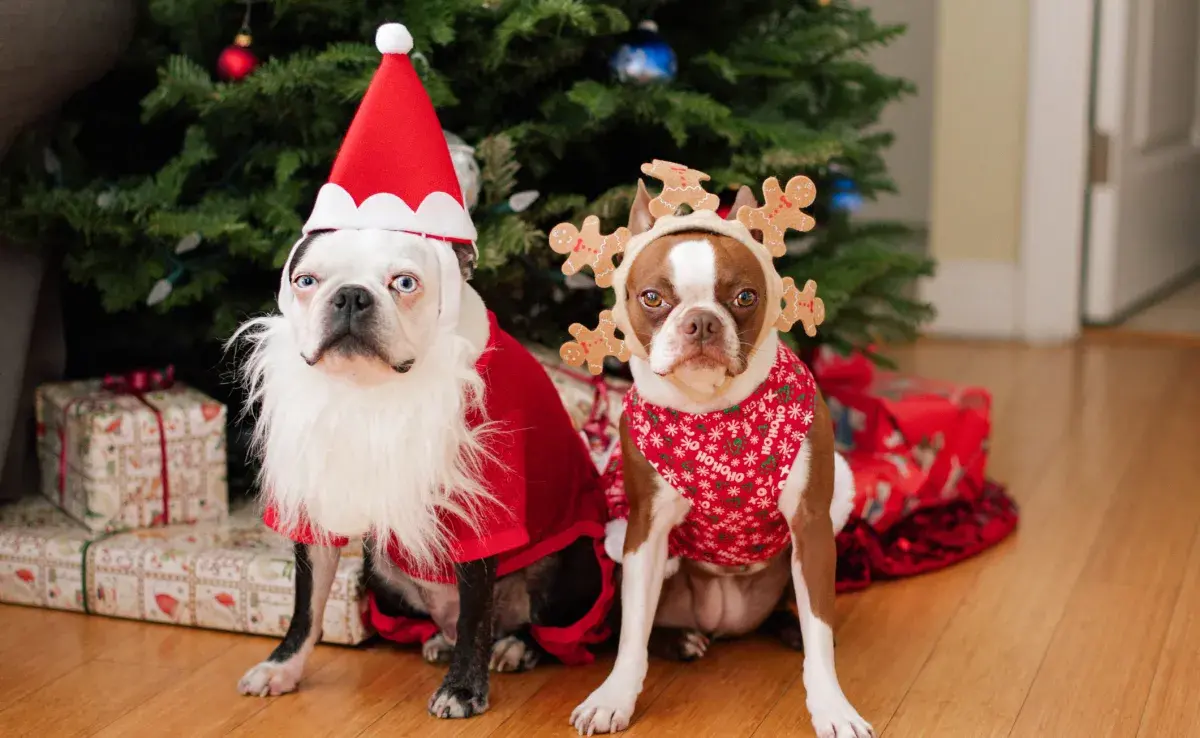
(439, 214)
(393, 38)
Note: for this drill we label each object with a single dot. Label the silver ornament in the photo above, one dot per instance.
(465, 166)
(188, 243)
(160, 291)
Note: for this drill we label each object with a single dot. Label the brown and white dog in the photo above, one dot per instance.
(698, 299)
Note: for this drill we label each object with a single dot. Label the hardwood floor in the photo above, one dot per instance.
(1085, 623)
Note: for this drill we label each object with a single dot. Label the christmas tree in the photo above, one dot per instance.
(170, 186)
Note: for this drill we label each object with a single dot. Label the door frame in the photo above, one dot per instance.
(1055, 187)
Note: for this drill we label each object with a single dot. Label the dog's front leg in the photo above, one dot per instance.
(316, 567)
(653, 512)
(464, 691)
(814, 569)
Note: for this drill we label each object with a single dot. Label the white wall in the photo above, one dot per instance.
(910, 158)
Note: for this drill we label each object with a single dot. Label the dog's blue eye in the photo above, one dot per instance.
(406, 284)
(305, 281)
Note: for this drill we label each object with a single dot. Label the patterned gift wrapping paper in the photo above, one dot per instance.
(912, 442)
(231, 575)
(943, 427)
(887, 487)
(111, 476)
(594, 403)
(41, 556)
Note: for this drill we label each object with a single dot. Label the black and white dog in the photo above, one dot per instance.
(374, 420)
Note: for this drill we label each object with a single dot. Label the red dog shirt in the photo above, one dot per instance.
(730, 464)
(547, 495)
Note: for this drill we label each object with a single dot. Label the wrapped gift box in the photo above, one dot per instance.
(41, 555)
(102, 454)
(231, 575)
(940, 430)
(887, 487)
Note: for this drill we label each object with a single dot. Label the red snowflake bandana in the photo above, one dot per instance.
(730, 464)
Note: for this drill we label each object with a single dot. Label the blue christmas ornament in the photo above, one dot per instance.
(646, 58)
(845, 195)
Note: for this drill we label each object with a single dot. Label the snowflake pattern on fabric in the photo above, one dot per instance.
(730, 464)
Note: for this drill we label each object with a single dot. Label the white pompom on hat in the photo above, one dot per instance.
(393, 38)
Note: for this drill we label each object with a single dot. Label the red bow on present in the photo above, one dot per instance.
(140, 381)
(135, 383)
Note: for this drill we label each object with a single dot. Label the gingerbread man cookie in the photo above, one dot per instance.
(782, 211)
(801, 306)
(680, 185)
(588, 247)
(592, 346)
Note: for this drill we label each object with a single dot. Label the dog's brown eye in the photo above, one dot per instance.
(745, 299)
(652, 299)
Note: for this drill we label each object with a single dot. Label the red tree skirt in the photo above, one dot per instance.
(928, 539)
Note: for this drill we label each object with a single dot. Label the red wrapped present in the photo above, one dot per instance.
(887, 486)
(940, 427)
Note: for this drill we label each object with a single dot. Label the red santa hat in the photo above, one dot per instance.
(393, 171)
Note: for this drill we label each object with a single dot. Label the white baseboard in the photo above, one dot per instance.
(974, 299)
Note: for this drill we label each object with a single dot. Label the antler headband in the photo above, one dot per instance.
(586, 246)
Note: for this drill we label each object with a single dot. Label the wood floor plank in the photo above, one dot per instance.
(204, 702)
(1111, 634)
(172, 646)
(344, 695)
(1172, 708)
(509, 694)
(548, 712)
(44, 645)
(982, 667)
(84, 700)
(729, 691)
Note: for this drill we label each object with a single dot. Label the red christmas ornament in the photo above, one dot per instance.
(237, 61)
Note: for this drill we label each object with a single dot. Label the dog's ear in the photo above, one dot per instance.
(745, 198)
(466, 259)
(640, 219)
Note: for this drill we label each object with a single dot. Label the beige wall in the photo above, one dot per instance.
(978, 129)
(910, 158)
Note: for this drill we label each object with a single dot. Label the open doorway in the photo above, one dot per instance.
(1141, 265)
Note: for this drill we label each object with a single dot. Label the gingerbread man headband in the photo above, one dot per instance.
(588, 247)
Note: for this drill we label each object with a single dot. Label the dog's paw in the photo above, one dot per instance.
(836, 718)
(791, 637)
(270, 678)
(607, 710)
(437, 650)
(457, 702)
(693, 645)
(510, 653)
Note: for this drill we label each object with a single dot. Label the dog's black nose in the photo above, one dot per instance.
(351, 299)
(701, 326)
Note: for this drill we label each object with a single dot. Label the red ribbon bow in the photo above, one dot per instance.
(140, 381)
(135, 383)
